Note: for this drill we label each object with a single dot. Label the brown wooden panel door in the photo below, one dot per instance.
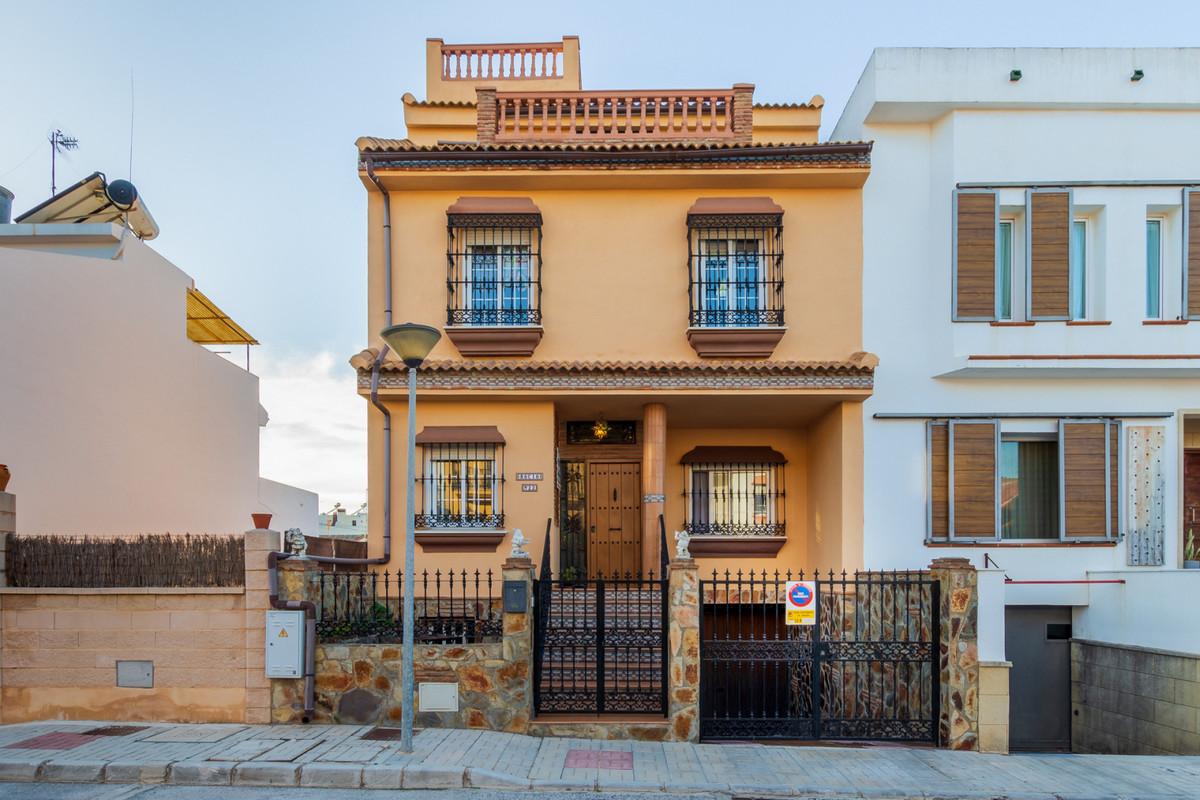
(975, 255)
(974, 480)
(1192, 261)
(614, 519)
(1086, 474)
(1049, 255)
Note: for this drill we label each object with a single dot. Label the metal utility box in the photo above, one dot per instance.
(285, 644)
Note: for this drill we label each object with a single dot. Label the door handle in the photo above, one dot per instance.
(614, 495)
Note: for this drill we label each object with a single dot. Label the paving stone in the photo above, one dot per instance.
(565, 784)
(73, 771)
(256, 773)
(430, 776)
(479, 778)
(381, 776)
(19, 769)
(136, 772)
(201, 773)
(331, 776)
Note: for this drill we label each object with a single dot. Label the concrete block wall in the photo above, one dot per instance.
(1132, 700)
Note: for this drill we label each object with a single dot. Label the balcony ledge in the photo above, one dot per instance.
(745, 546)
(495, 341)
(735, 342)
(484, 540)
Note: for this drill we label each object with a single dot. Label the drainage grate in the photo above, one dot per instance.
(115, 730)
(383, 734)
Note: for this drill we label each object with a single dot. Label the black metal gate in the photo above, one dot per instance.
(868, 669)
(600, 646)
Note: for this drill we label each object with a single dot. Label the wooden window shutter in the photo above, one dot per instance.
(973, 469)
(1114, 478)
(975, 255)
(1086, 471)
(1049, 237)
(937, 440)
(1191, 265)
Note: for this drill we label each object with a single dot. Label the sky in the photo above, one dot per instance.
(244, 115)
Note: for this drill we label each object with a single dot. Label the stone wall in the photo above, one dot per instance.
(361, 683)
(1134, 700)
(959, 652)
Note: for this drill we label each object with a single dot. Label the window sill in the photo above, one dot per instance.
(484, 540)
(1165, 321)
(733, 342)
(745, 546)
(1028, 543)
(1088, 322)
(495, 340)
(1008, 323)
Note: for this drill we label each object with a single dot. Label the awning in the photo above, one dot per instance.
(89, 201)
(712, 206)
(493, 205)
(207, 324)
(717, 454)
(460, 434)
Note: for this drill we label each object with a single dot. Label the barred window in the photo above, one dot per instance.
(735, 263)
(494, 262)
(740, 497)
(461, 486)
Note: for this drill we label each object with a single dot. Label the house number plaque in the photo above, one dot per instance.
(528, 487)
(529, 476)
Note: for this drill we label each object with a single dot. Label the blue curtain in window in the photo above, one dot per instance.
(483, 284)
(515, 281)
(746, 283)
(716, 297)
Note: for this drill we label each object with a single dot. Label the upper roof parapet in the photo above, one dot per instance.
(452, 71)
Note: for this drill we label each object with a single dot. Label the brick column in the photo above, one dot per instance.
(485, 114)
(959, 638)
(654, 454)
(683, 650)
(743, 112)
(515, 680)
(258, 687)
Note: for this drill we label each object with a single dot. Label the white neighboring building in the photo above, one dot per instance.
(1025, 269)
(113, 420)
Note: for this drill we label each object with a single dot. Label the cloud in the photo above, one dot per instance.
(317, 434)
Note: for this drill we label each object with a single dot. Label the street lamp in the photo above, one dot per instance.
(412, 342)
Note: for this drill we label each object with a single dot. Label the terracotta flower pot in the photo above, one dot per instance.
(261, 521)
(4, 476)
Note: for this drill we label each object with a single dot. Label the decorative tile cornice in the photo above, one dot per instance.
(856, 373)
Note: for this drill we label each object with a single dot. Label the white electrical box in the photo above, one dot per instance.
(285, 644)
(437, 696)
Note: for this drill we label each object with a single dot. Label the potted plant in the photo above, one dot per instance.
(262, 521)
(1191, 552)
(4, 476)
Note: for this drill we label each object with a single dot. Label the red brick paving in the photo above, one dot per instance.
(53, 741)
(599, 759)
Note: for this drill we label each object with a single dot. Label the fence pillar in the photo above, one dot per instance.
(683, 650)
(257, 544)
(298, 580)
(514, 682)
(8, 525)
(959, 646)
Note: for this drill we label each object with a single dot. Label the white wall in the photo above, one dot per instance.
(1151, 609)
(290, 507)
(941, 117)
(111, 419)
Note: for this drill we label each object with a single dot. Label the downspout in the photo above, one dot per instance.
(273, 559)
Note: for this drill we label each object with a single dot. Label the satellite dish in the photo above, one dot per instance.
(121, 194)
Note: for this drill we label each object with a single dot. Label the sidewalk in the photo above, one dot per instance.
(338, 757)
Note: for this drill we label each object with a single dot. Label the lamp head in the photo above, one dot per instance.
(411, 341)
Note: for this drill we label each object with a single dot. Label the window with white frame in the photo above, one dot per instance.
(1005, 274)
(1154, 267)
(1028, 486)
(740, 497)
(1079, 269)
(736, 270)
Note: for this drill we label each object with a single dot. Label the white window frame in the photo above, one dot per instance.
(730, 279)
(1087, 269)
(436, 502)
(1032, 436)
(1161, 220)
(499, 283)
(1011, 223)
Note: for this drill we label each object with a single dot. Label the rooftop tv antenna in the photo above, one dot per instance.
(59, 143)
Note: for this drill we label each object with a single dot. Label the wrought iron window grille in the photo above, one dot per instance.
(735, 270)
(461, 486)
(734, 500)
(494, 269)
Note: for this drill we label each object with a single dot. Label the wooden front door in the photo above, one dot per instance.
(614, 497)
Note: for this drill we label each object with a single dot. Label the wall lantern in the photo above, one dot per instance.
(1014, 75)
(1137, 75)
(601, 428)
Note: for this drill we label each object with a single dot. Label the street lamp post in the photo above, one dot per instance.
(412, 343)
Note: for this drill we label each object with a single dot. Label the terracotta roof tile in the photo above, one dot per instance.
(375, 144)
(860, 363)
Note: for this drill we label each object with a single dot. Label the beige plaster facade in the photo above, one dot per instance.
(615, 339)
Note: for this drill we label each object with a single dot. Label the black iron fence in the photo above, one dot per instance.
(452, 607)
(867, 669)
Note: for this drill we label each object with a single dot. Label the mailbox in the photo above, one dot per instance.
(516, 597)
